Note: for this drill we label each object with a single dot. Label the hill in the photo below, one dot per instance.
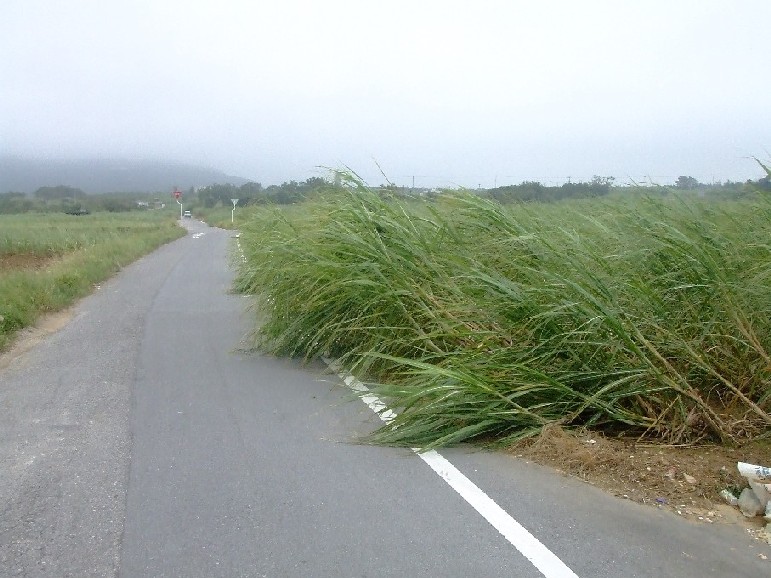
(106, 175)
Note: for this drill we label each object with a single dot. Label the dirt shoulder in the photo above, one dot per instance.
(29, 337)
(685, 480)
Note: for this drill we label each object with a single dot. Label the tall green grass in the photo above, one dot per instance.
(67, 255)
(635, 316)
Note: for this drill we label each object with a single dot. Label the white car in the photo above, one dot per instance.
(188, 215)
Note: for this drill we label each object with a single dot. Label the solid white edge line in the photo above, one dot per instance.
(518, 536)
(528, 545)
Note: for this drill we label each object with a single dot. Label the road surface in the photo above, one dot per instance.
(143, 439)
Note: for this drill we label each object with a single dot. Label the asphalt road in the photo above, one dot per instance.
(143, 440)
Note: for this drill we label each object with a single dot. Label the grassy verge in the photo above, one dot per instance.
(220, 216)
(47, 261)
(635, 316)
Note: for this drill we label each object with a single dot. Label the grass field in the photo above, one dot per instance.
(635, 316)
(47, 261)
(220, 216)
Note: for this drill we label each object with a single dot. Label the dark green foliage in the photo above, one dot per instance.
(253, 193)
(534, 191)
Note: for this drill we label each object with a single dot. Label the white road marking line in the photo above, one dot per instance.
(518, 536)
(240, 249)
(528, 545)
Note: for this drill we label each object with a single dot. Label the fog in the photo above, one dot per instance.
(444, 93)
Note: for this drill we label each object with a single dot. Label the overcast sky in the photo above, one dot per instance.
(453, 93)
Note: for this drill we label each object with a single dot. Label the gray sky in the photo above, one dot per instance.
(456, 93)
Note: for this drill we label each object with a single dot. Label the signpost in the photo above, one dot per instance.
(178, 194)
(233, 212)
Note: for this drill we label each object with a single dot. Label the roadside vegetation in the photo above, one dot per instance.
(48, 260)
(221, 216)
(642, 313)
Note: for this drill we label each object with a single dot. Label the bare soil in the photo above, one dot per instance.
(11, 261)
(685, 480)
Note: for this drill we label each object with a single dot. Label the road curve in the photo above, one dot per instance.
(142, 440)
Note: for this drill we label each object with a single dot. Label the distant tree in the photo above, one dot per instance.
(254, 193)
(250, 188)
(58, 192)
(315, 183)
(687, 183)
(11, 195)
(218, 194)
(529, 191)
(286, 193)
(13, 202)
(600, 185)
(599, 181)
(250, 193)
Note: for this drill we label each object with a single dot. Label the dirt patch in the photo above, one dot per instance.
(27, 338)
(685, 480)
(24, 261)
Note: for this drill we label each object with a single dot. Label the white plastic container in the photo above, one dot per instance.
(754, 472)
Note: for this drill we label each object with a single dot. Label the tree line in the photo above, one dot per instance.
(598, 186)
(252, 193)
(66, 199)
(62, 198)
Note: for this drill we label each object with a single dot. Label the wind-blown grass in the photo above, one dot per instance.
(647, 317)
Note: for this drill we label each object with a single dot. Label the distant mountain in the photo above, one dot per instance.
(106, 176)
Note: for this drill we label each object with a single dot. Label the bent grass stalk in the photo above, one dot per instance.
(634, 315)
